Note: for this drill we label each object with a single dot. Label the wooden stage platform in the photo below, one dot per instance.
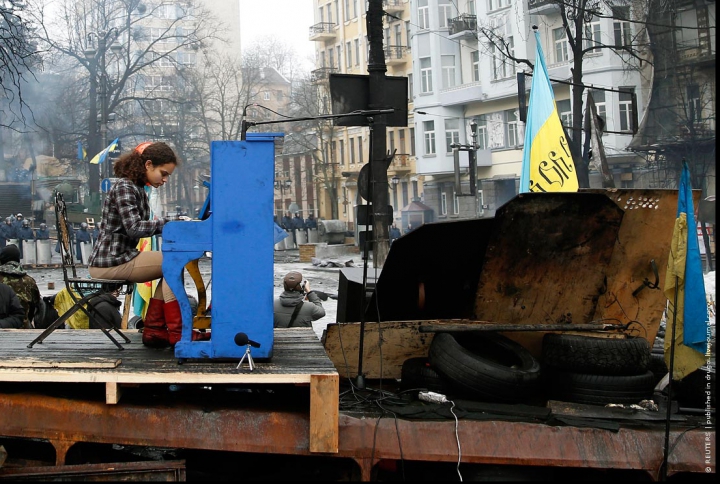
(88, 356)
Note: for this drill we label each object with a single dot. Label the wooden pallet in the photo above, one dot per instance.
(88, 356)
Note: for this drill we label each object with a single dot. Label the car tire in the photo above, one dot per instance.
(485, 366)
(599, 356)
(416, 374)
(600, 389)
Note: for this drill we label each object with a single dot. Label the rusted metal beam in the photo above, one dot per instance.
(168, 471)
(454, 325)
(262, 430)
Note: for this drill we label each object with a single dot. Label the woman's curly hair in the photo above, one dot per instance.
(132, 165)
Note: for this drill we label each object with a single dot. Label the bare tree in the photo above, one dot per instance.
(583, 40)
(316, 137)
(679, 123)
(129, 48)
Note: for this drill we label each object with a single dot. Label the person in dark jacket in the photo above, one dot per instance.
(296, 294)
(82, 236)
(7, 232)
(394, 233)
(95, 233)
(108, 305)
(11, 311)
(24, 286)
(43, 233)
(310, 222)
(24, 233)
(287, 221)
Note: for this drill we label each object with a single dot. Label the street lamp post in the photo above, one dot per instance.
(473, 166)
(97, 66)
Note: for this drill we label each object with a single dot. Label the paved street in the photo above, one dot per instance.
(322, 279)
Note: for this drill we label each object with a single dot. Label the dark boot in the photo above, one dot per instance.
(155, 333)
(173, 319)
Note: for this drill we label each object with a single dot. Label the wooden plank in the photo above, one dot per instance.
(383, 357)
(324, 413)
(112, 393)
(87, 362)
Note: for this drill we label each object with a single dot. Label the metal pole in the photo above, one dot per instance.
(473, 167)
(92, 143)
(378, 161)
(102, 45)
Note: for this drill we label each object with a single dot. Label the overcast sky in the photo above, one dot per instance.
(288, 20)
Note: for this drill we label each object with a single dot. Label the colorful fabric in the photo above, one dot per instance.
(684, 282)
(100, 157)
(547, 163)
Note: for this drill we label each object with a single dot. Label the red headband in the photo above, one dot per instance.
(141, 147)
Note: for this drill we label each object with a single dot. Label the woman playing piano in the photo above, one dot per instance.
(125, 220)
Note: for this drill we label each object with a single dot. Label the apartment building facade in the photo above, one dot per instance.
(461, 80)
(340, 36)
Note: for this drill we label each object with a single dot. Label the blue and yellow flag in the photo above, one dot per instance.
(82, 154)
(547, 163)
(143, 291)
(100, 157)
(684, 282)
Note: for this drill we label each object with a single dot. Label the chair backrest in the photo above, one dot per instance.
(66, 252)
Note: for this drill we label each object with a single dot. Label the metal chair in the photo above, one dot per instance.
(82, 290)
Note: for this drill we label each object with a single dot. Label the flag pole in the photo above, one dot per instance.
(666, 448)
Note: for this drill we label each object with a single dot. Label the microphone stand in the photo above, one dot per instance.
(250, 362)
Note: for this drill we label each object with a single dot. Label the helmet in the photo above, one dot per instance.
(8, 220)
(43, 226)
(19, 215)
(83, 225)
(26, 223)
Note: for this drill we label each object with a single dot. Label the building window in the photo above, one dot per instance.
(471, 7)
(391, 141)
(592, 36)
(456, 204)
(482, 132)
(404, 187)
(266, 96)
(338, 49)
(329, 13)
(444, 15)
(565, 112)
(561, 45)
(342, 151)
(357, 52)
(348, 55)
(407, 32)
(694, 112)
(626, 122)
(452, 133)
(346, 11)
(448, 71)
(425, 75)
(415, 189)
(331, 57)
(398, 34)
(401, 141)
(511, 123)
(352, 151)
(423, 14)
(410, 87)
(443, 203)
(412, 141)
(360, 150)
(622, 26)
(475, 59)
(337, 12)
(355, 9)
(502, 66)
(429, 135)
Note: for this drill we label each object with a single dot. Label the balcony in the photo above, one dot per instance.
(464, 26)
(322, 31)
(543, 7)
(462, 94)
(395, 54)
(393, 6)
(400, 164)
(322, 74)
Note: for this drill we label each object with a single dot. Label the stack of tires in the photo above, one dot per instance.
(595, 370)
(485, 366)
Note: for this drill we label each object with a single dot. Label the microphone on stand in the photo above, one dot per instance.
(241, 339)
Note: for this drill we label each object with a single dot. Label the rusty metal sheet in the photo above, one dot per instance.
(645, 235)
(163, 471)
(237, 428)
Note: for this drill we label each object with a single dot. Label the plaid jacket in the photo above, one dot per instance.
(125, 220)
